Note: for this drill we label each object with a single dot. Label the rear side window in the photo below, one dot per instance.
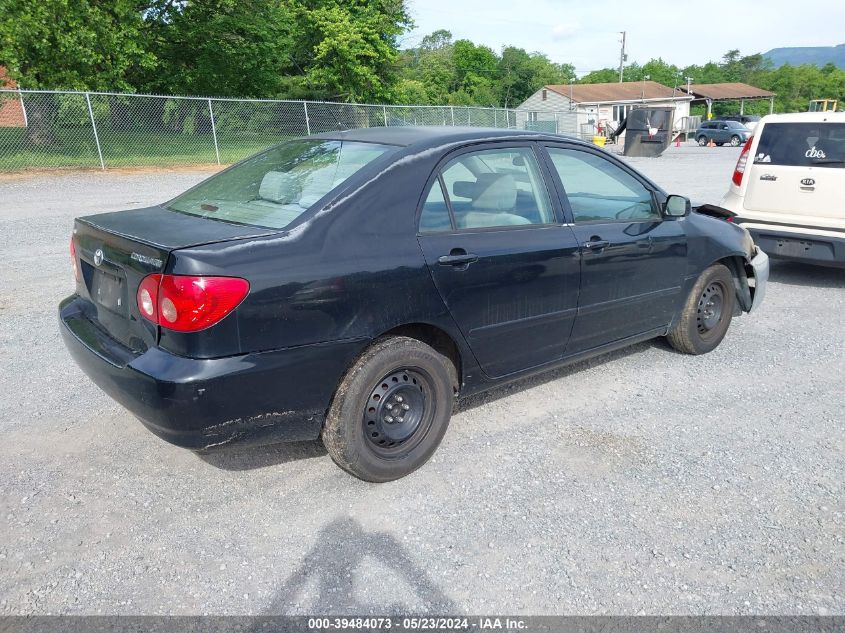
(802, 145)
(275, 187)
(435, 211)
(486, 189)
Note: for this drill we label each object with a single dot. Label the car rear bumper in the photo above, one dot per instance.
(198, 404)
(802, 246)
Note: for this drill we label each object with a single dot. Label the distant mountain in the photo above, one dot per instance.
(818, 55)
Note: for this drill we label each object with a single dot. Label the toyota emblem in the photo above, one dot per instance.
(98, 257)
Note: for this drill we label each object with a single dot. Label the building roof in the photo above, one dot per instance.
(728, 91)
(617, 91)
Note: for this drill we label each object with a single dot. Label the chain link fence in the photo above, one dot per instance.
(58, 129)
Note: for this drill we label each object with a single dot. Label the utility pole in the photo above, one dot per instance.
(689, 81)
(622, 58)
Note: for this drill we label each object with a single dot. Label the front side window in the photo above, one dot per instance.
(600, 191)
(494, 188)
(802, 144)
(275, 187)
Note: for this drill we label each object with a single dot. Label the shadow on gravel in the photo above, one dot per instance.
(253, 457)
(344, 558)
(471, 402)
(799, 274)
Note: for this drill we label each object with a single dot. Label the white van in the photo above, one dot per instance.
(788, 188)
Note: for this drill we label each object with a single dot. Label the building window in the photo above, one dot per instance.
(620, 112)
(545, 94)
(532, 117)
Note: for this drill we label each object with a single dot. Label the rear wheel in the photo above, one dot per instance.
(702, 140)
(707, 313)
(391, 410)
(735, 141)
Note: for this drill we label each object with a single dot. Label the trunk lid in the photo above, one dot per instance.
(117, 250)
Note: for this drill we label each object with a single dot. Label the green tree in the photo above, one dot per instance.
(224, 48)
(522, 74)
(70, 44)
(321, 49)
(354, 49)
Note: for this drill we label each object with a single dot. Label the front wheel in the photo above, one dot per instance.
(735, 141)
(706, 314)
(391, 409)
(702, 141)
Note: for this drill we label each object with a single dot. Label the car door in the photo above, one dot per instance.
(505, 266)
(633, 259)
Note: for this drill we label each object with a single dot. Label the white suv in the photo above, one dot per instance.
(788, 188)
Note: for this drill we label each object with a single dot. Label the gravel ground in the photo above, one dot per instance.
(643, 481)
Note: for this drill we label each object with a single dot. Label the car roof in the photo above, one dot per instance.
(425, 136)
(805, 117)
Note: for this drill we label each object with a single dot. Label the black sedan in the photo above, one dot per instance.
(352, 285)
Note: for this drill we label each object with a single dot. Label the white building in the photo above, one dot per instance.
(588, 109)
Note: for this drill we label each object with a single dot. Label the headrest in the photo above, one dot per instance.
(464, 189)
(280, 186)
(495, 192)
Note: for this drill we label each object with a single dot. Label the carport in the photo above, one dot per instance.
(736, 91)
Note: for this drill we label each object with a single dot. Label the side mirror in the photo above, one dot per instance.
(677, 206)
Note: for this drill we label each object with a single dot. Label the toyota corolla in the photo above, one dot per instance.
(352, 285)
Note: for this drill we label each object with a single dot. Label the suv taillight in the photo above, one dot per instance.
(739, 170)
(187, 303)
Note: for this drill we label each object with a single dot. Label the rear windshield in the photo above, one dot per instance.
(275, 187)
(802, 144)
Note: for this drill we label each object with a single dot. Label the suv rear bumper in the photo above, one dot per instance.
(256, 398)
(797, 245)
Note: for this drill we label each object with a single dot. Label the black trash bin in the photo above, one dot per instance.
(648, 131)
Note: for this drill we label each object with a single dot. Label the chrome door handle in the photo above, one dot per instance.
(596, 245)
(457, 260)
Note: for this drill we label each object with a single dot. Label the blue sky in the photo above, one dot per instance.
(585, 33)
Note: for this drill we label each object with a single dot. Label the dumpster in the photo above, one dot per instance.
(648, 131)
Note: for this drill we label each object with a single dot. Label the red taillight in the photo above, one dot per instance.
(739, 170)
(74, 261)
(186, 303)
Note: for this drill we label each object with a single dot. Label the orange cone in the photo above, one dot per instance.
(711, 143)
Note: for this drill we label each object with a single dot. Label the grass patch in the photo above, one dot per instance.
(76, 148)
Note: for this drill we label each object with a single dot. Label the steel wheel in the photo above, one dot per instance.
(391, 409)
(707, 312)
(398, 412)
(710, 309)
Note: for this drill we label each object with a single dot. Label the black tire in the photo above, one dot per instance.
(363, 433)
(706, 314)
(735, 141)
(702, 141)
(719, 144)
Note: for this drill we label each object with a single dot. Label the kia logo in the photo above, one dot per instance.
(808, 182)
(98, 257)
